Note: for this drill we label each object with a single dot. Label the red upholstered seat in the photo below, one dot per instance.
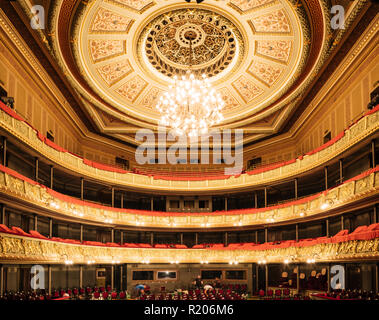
(93, 243)
(270, 294)
(234, 245)
(360, 233)
(374, 230)
(72, 241)
(217, 246)
(248, 246)
(112, 244)
(160, 246)
(198, 246)
(323, 240)
(20, 231)
(4, 228)
(36, 234)
(130, 245)
(278, 293)
(122, 295)
(181, 246)
(286, 293)
(340, 236)
(144, 245)
(57, 239)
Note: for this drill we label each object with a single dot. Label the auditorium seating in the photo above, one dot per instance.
(63, 294)
(347, 295)
(195, 295)
(280, 294)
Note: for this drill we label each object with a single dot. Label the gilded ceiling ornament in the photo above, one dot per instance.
(107, 20)
(102, 49)
(114, 71)
(216, 42)
(276, 49)
(275, 21)
(247, 88)
(244, 5)
(138, 5)
(268, 73)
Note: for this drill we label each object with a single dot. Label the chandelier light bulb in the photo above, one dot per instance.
(190, 106)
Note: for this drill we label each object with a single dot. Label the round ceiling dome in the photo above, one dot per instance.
(121, 55)
(215, 41)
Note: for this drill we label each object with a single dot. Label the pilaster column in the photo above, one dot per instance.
(81, 189)
(49, 281)
(51, 177)
(4, 151)
(1, 280)
(36, 169)
(50, 228)
(80, 276)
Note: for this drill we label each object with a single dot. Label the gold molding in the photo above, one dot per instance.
(34, 195)
(23, 132)
(28, 250)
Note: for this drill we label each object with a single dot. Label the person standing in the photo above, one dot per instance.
(198, 282)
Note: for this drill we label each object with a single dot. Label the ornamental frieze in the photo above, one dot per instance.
(13, 248)
(33, 194)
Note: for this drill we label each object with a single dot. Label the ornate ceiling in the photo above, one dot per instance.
(120, 55)
(128, 52)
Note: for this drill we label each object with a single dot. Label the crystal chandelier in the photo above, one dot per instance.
(190, 106)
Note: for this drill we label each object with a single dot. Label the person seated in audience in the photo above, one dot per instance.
(303, 281)
(283, 280)
(324, 280)
(139, 288)
(217, 283)
(318, 285)
(294, 276)
(311, 283)
(141, 292)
